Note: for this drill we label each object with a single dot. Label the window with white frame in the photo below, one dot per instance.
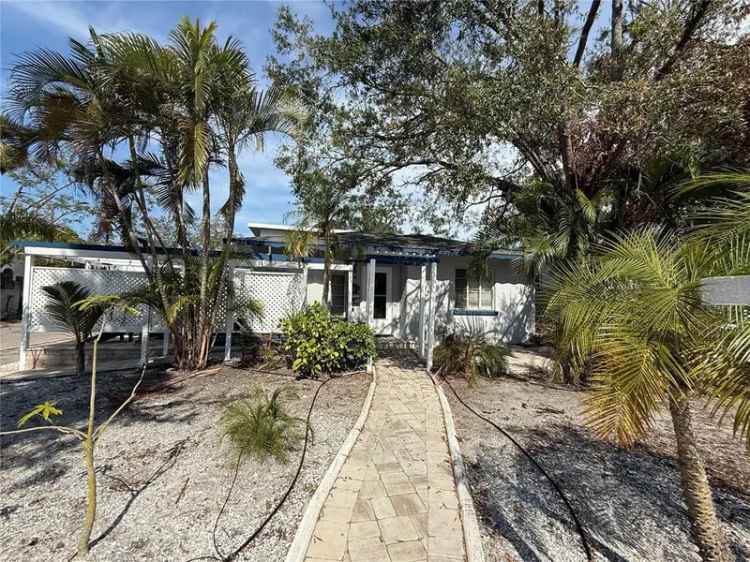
(473, 291)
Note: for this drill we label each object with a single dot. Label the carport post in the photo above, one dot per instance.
(144, 344)
(431, 316)
(165, 344)
(28, 269)
(371, 292)
(349, 299)
(422, 295)
(229, 328)
(305, 272)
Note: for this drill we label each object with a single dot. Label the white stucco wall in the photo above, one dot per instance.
(314, 285)
(513, 299)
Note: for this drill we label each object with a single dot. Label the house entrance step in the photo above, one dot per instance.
(385, 343)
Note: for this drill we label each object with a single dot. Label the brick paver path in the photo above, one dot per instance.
(395, 497)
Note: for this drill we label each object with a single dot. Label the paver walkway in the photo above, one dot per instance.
(395, 497)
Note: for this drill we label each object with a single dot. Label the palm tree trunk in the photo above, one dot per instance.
(696, 490)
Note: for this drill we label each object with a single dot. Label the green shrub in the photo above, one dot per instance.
(319, 343)
(259, 426)
(471, 354)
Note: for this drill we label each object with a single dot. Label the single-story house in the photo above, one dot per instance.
(414, 288)
(500, 302)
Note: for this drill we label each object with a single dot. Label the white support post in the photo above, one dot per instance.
(165, 344)
(349, 299)
(304, 284)
(144, 344)
(28, 271)
(370, 291)
(229, 327)
(422, 295)
(431, 317)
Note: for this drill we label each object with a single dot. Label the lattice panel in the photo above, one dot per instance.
(98, 281)
(281, 292)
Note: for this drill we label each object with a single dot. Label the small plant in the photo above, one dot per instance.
(472, 354)
(62, 308)
(89, 435)
(318, 343)
(259, 426)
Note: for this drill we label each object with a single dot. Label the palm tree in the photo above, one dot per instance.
(194, 99)
(636, 312)
(63, 307)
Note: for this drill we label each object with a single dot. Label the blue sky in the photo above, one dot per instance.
(26, 25)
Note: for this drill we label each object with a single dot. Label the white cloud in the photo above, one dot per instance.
(58, 15)
(74, 18)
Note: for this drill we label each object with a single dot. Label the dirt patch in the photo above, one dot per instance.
(629, 500)
(163, 470)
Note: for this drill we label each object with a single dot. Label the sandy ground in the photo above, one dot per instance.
(629, 500)
(163, 471)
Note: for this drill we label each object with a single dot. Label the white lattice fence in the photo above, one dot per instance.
(99, 282)
(281, 292)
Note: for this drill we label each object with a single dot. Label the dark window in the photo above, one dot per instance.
(338, 293)
(460, 288)
(380, 296)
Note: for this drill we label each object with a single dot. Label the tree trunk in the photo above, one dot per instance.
(617, 27)
(696, 491)
(88, 522)
(567, 372)
(81, 358)
(88, 458)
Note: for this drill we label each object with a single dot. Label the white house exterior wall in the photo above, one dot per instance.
(513, 299)
(314, 285)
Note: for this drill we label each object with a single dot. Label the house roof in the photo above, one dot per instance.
(402, 248)
(422, 245)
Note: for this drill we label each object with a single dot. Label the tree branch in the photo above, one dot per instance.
(691, 25)
(584, 38)
(103, 426)
(60, 428)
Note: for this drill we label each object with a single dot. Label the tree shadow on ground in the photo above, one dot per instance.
(620, 496)
(136, 490)
(40, 452)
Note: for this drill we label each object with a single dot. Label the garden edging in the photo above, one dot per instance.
(470, 524)
(298, 549)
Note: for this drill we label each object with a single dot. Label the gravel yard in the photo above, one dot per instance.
(629, 500)
(163, 471)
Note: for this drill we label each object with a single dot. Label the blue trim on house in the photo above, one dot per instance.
(473, 312)
(403, 260)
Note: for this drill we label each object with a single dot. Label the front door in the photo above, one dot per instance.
(382, 301)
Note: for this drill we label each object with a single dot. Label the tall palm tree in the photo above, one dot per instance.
(194, 102)
(635, 311)
(63, 308)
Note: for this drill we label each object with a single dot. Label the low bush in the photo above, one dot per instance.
(259, 427)
(471, 354)
(318, 342)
